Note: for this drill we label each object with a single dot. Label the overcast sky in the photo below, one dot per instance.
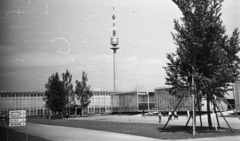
(41, 37)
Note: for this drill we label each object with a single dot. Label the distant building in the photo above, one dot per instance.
(100, 102)
(166, 102)
(108, 102)
(237, 94)
(133, 101)
(32, 102)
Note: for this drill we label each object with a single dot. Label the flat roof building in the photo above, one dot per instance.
(133, 101)
(166, 102)
(32, 102)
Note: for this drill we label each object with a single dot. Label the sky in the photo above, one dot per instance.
(42, 37)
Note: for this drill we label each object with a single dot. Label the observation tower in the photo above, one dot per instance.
(114, 43)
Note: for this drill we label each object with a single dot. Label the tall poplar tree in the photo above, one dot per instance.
(204, 52)
(68, 89)
(55, 97)
(83, 92)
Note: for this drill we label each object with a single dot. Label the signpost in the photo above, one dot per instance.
(17, 118)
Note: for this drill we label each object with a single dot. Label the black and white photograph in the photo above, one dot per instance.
(119, 70)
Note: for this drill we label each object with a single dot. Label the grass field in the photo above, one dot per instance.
(139, 129)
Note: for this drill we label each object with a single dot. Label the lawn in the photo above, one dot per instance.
(139, 129)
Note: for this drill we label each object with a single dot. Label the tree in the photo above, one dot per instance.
(83, 92)
(55, 96)
(204, 53)
(68, 88)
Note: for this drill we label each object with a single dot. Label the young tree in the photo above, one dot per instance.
(204, 53)
(68, 89)
(83, 92)
(55, 96)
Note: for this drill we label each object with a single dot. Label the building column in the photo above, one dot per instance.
(137, 101)
(94, 103)
(15, 101)
(29, 113)
(105, 102)
(36, 101)
(99, 103)
(22, 101)
(148, 101)
(7, 103)
(43, 106)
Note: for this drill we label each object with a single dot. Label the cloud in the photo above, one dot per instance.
(97, 89)
(106, 58)
(40, 59)
(139, 87)
(132, 58)
(154, 61)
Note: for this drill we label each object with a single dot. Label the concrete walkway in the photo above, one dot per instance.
(59, 133)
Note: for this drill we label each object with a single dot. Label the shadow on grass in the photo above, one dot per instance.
(9, 134)
(205, 132)
(174, 129)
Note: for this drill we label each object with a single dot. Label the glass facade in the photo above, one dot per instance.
(100, 103)
(167, 102)
(237, 95)
(108, 102)
(31, 102)
(134, 101)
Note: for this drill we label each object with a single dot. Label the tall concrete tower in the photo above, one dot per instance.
(114, 43)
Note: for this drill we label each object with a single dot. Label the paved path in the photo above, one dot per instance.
(58, 133)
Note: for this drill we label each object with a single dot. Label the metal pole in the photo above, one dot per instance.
(215, 113)
(223, 117)
(171, 114)
(231, 107)
(188, 121)
(199, 110)
(194, 117)
(190, 117)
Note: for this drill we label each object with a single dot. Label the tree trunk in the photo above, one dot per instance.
(75, 113)
(209, 112)
(81, 112)
(49, 114)
(215, 112)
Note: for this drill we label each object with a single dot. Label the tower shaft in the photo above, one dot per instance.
(114, 43)
(115, 69)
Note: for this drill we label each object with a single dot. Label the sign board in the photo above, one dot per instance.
(17, 118)
(17, 123)
(14, 114)
(18, 112)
